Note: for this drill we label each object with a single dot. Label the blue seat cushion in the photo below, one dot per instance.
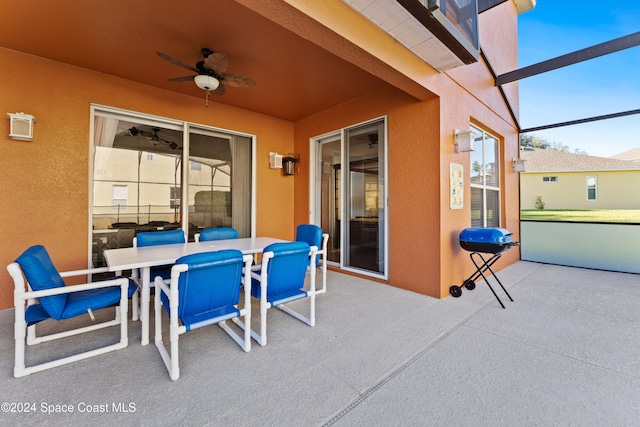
(41, 275)
(222, 313)
(35, 313)
(276, 299)
(95, 299)
(79, 302)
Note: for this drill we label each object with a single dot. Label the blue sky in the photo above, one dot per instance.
(605, 85)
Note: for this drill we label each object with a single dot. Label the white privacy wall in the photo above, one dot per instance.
(614, 247)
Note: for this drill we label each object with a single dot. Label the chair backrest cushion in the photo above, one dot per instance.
(154, 238)
(312, 235)
(221, 233)
(42, 274)
(288, 267)
(212, 281)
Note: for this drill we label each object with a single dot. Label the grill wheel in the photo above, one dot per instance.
(455, 291)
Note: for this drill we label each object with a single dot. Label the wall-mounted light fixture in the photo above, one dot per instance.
(519, 165)
(463, 141)
(21, 126)
(289, 163)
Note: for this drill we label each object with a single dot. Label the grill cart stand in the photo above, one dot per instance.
(489, 241)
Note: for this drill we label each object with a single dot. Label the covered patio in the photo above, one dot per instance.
(565, 352)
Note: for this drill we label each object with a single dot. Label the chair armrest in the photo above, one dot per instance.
(164, 285)
(122, 282)
(84, 272)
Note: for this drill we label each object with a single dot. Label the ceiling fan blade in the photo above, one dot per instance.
(217, 62)
(181, 79)
(221, 90)
(176, 62)
(237, 81)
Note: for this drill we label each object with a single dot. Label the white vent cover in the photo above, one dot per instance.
(21, 126)
(275, 161)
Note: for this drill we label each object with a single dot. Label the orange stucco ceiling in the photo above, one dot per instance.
(295, 77)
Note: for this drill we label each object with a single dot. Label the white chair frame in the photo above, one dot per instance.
(136, 300)
(323, 252)
(171, 358)
(24, 298)
(261, 337)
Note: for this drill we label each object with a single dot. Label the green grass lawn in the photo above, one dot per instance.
(595, 215)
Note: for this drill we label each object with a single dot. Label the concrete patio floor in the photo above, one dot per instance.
(565, 352)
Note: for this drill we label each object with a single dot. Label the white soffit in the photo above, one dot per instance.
(402, 26)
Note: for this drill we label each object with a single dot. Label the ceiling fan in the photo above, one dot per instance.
(153, 137)
(373, 139)
(211, 75)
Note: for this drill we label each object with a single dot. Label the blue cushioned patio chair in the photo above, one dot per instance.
(57, 301)
(312, 234)
(155, 238)
(281, 280)
(204, 289)
(221, 233)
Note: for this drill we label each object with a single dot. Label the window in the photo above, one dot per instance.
(549, 179)
(119, 197)
(485, 180)
(592, 188)
(175, 194)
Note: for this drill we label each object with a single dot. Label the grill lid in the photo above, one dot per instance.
(489, 236)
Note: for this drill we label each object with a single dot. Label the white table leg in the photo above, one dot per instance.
(144, 304)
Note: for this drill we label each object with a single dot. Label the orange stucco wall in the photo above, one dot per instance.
(414, 189)
(425, 255)
(45, 195)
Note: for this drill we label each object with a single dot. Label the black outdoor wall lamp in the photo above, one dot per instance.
(289, 164)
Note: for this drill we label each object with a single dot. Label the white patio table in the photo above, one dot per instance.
(150, 256)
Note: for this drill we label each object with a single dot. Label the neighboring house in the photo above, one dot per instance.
(633, 155)
(575, 181)
(368, 95)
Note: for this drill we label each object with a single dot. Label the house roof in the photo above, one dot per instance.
(560, 161)
(633, 154)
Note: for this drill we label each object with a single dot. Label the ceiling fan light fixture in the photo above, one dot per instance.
(206, 82)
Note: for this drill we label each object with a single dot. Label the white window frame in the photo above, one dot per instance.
(484, 187)
(186, 127)
(595, 188)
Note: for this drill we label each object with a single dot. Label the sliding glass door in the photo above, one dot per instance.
(139, 166)
(350, 196)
